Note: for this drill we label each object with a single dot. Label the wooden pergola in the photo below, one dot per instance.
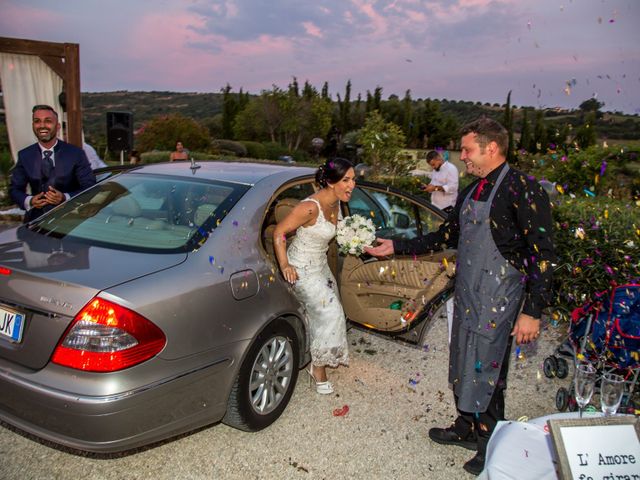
(64, 60)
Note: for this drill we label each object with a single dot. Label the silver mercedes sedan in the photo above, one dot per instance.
(151, 304)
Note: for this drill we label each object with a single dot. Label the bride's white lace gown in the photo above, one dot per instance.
(317, 290)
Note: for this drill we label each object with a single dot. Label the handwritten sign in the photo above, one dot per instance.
(604, 448)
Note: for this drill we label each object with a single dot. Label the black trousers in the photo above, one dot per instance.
(482, 424)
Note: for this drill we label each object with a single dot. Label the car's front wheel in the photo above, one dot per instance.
(266, 379)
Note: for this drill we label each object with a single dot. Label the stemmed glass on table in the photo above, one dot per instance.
(584, 383)
(611, 391)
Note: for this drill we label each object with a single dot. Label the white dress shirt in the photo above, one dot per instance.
(447, 178)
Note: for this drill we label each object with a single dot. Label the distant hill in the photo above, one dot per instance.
(144, 106)
(201, 106)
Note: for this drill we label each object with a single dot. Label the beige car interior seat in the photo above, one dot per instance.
(281, 209)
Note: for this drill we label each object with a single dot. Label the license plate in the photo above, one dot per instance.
(11, 324)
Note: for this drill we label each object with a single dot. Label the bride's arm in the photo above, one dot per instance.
(303, 214)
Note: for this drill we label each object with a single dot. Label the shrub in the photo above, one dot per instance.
(300, 156)
(597, 242)
(163, 132)
(229, 146)
(596, 171)
(255, 149)
(274, 150)
(598, 245)
(157, 156)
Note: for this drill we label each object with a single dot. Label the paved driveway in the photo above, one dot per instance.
(395, 394)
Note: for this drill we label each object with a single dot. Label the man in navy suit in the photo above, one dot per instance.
(55, 170)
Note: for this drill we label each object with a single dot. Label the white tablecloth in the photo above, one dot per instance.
(524, 450)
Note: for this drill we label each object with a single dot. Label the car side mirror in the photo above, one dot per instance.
(401, 220)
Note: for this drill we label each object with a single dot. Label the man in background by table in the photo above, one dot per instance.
(444, 182)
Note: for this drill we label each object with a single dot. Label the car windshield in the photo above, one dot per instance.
(143, 212)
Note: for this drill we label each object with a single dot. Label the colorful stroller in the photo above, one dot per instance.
(605, 333)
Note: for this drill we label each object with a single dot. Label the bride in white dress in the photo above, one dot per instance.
(305, 266)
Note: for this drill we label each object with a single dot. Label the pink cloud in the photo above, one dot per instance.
(312, 29)
(378, 21)
(177, 56)
(458, 11)
(18, 21)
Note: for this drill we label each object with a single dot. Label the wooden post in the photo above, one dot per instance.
(64, 59)
(72, 89)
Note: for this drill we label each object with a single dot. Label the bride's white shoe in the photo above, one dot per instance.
(323, 388)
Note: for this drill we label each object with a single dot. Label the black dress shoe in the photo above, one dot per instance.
(475, 465)
(448, 436)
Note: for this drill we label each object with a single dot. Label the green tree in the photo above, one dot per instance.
(586, 135)
(432, 127)
(263, 117)
(377, 98)
(285, 117)
(325, 91)
(304, 119)
(381, 142)
(293, 88)
(446, 131)
(368, 103)
(229, 110)
(540, 140)
(407, 120)
(344, 107)
(508, 124)
(591, 105)
(525, 131)
(358, 114)
(162, 133)
(309, 91)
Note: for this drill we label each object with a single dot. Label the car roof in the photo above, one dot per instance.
(248, 173)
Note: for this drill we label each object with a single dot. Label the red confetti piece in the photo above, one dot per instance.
(341, 412)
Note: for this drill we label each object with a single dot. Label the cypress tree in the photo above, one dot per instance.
(377, 99)
(325, 91)
(229, 111)
(508, 124)
(525, 132)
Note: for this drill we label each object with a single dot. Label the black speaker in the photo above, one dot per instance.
(120, 131)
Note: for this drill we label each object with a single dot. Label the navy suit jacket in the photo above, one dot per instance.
(72, 173)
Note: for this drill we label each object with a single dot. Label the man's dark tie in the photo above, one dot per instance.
(47, 170)
(481, 184)
(47, 165)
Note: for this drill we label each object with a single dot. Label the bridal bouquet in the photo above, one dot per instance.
(354, 233)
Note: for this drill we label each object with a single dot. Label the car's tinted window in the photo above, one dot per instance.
(144, 212)
(393, 215)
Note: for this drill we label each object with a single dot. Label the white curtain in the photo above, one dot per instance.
(26, 81)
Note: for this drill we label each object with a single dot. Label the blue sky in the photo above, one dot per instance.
(549, 53)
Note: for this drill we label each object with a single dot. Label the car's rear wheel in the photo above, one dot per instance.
(266, 379)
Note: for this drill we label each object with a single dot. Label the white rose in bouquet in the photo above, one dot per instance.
(354, 233)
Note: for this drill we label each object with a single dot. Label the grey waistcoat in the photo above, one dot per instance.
(488, 297)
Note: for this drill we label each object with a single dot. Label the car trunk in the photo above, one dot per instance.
(49, 282)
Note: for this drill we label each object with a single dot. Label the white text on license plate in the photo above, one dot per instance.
(11, 324)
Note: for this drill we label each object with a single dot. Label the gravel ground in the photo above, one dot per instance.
(394, 392)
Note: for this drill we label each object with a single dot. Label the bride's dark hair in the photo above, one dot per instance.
(332, 171)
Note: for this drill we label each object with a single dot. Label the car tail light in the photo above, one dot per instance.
(105, 337)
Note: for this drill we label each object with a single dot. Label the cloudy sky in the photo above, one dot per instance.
(549, 53)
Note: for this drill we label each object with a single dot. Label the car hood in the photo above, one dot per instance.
(72, 262)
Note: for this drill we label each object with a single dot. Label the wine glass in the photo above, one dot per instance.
(611, 393)
(584, 383)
